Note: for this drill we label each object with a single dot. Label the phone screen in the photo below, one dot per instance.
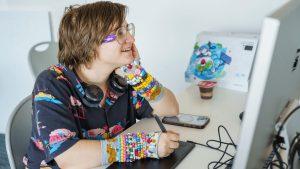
(187, 120)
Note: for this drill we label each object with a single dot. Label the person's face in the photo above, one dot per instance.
(116, 48)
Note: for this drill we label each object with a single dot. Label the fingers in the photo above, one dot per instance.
(173, 141)
(169, 151)
(173, 132)
(173, 145)
(173, 136)
(135, 51)
(168, 143)
(170, 148)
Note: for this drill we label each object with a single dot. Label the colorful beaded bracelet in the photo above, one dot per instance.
(130, 147)
(143, 82)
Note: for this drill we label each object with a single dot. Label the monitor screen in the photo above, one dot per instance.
(275, 80)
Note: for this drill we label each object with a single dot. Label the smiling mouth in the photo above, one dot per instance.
(126, 49)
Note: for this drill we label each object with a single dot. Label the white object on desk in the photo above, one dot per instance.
(241, 47)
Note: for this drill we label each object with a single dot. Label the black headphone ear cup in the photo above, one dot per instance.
(117, 84)
(93, 96)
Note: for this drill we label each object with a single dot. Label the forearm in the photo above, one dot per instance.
(123, 148)
(84, 154)
(167, 105)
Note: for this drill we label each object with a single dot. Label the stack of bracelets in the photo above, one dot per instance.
(130, 147)
(142, 82)
(134, 146)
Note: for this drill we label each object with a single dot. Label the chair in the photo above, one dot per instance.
(18, 133)
(39, 60)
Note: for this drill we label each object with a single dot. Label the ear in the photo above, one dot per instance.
(83, 67)
(97, 53)
(88, 66)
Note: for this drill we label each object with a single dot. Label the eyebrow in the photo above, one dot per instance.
(123, 25)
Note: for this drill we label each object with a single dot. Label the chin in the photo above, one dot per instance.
(124, 62)
(129, 59)
(125, 59)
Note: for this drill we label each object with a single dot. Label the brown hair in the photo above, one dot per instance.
(83, 28)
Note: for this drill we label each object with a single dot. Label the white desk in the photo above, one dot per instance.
(223, 109)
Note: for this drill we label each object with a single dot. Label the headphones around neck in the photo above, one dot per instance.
(93, 94)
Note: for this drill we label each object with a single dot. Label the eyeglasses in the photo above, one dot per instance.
(121, 34)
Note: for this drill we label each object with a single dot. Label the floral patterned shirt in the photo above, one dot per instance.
(60, 118)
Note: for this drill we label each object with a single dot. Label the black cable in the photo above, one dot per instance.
(283, 148)
(271, 162)
(274, 164)
(217, 164)
(284, 163)
(227, 163)
(277, 155)
(210, 147)
(294, 147)
(276, 145)
(277, 140)
(286, 118)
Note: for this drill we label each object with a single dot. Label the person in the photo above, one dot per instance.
(98, 89)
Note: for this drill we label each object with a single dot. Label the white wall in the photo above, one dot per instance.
(165, 35)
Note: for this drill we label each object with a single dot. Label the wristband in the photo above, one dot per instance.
(142, 82)
(130, 147)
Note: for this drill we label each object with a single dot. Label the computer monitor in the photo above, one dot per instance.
(275, 79)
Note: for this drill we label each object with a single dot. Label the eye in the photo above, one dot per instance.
(121, 32)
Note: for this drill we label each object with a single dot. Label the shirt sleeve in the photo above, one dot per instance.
(141, 105)
(52, 116)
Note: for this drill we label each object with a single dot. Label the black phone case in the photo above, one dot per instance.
(164, 120)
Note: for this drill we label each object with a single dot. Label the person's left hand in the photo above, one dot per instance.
(132, 67)
(135, 52)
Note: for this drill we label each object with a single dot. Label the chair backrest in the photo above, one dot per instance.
(39, 60)
(18, 133)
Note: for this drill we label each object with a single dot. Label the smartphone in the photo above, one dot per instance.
(187, 120)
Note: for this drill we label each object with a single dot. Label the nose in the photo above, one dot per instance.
(129, 38)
